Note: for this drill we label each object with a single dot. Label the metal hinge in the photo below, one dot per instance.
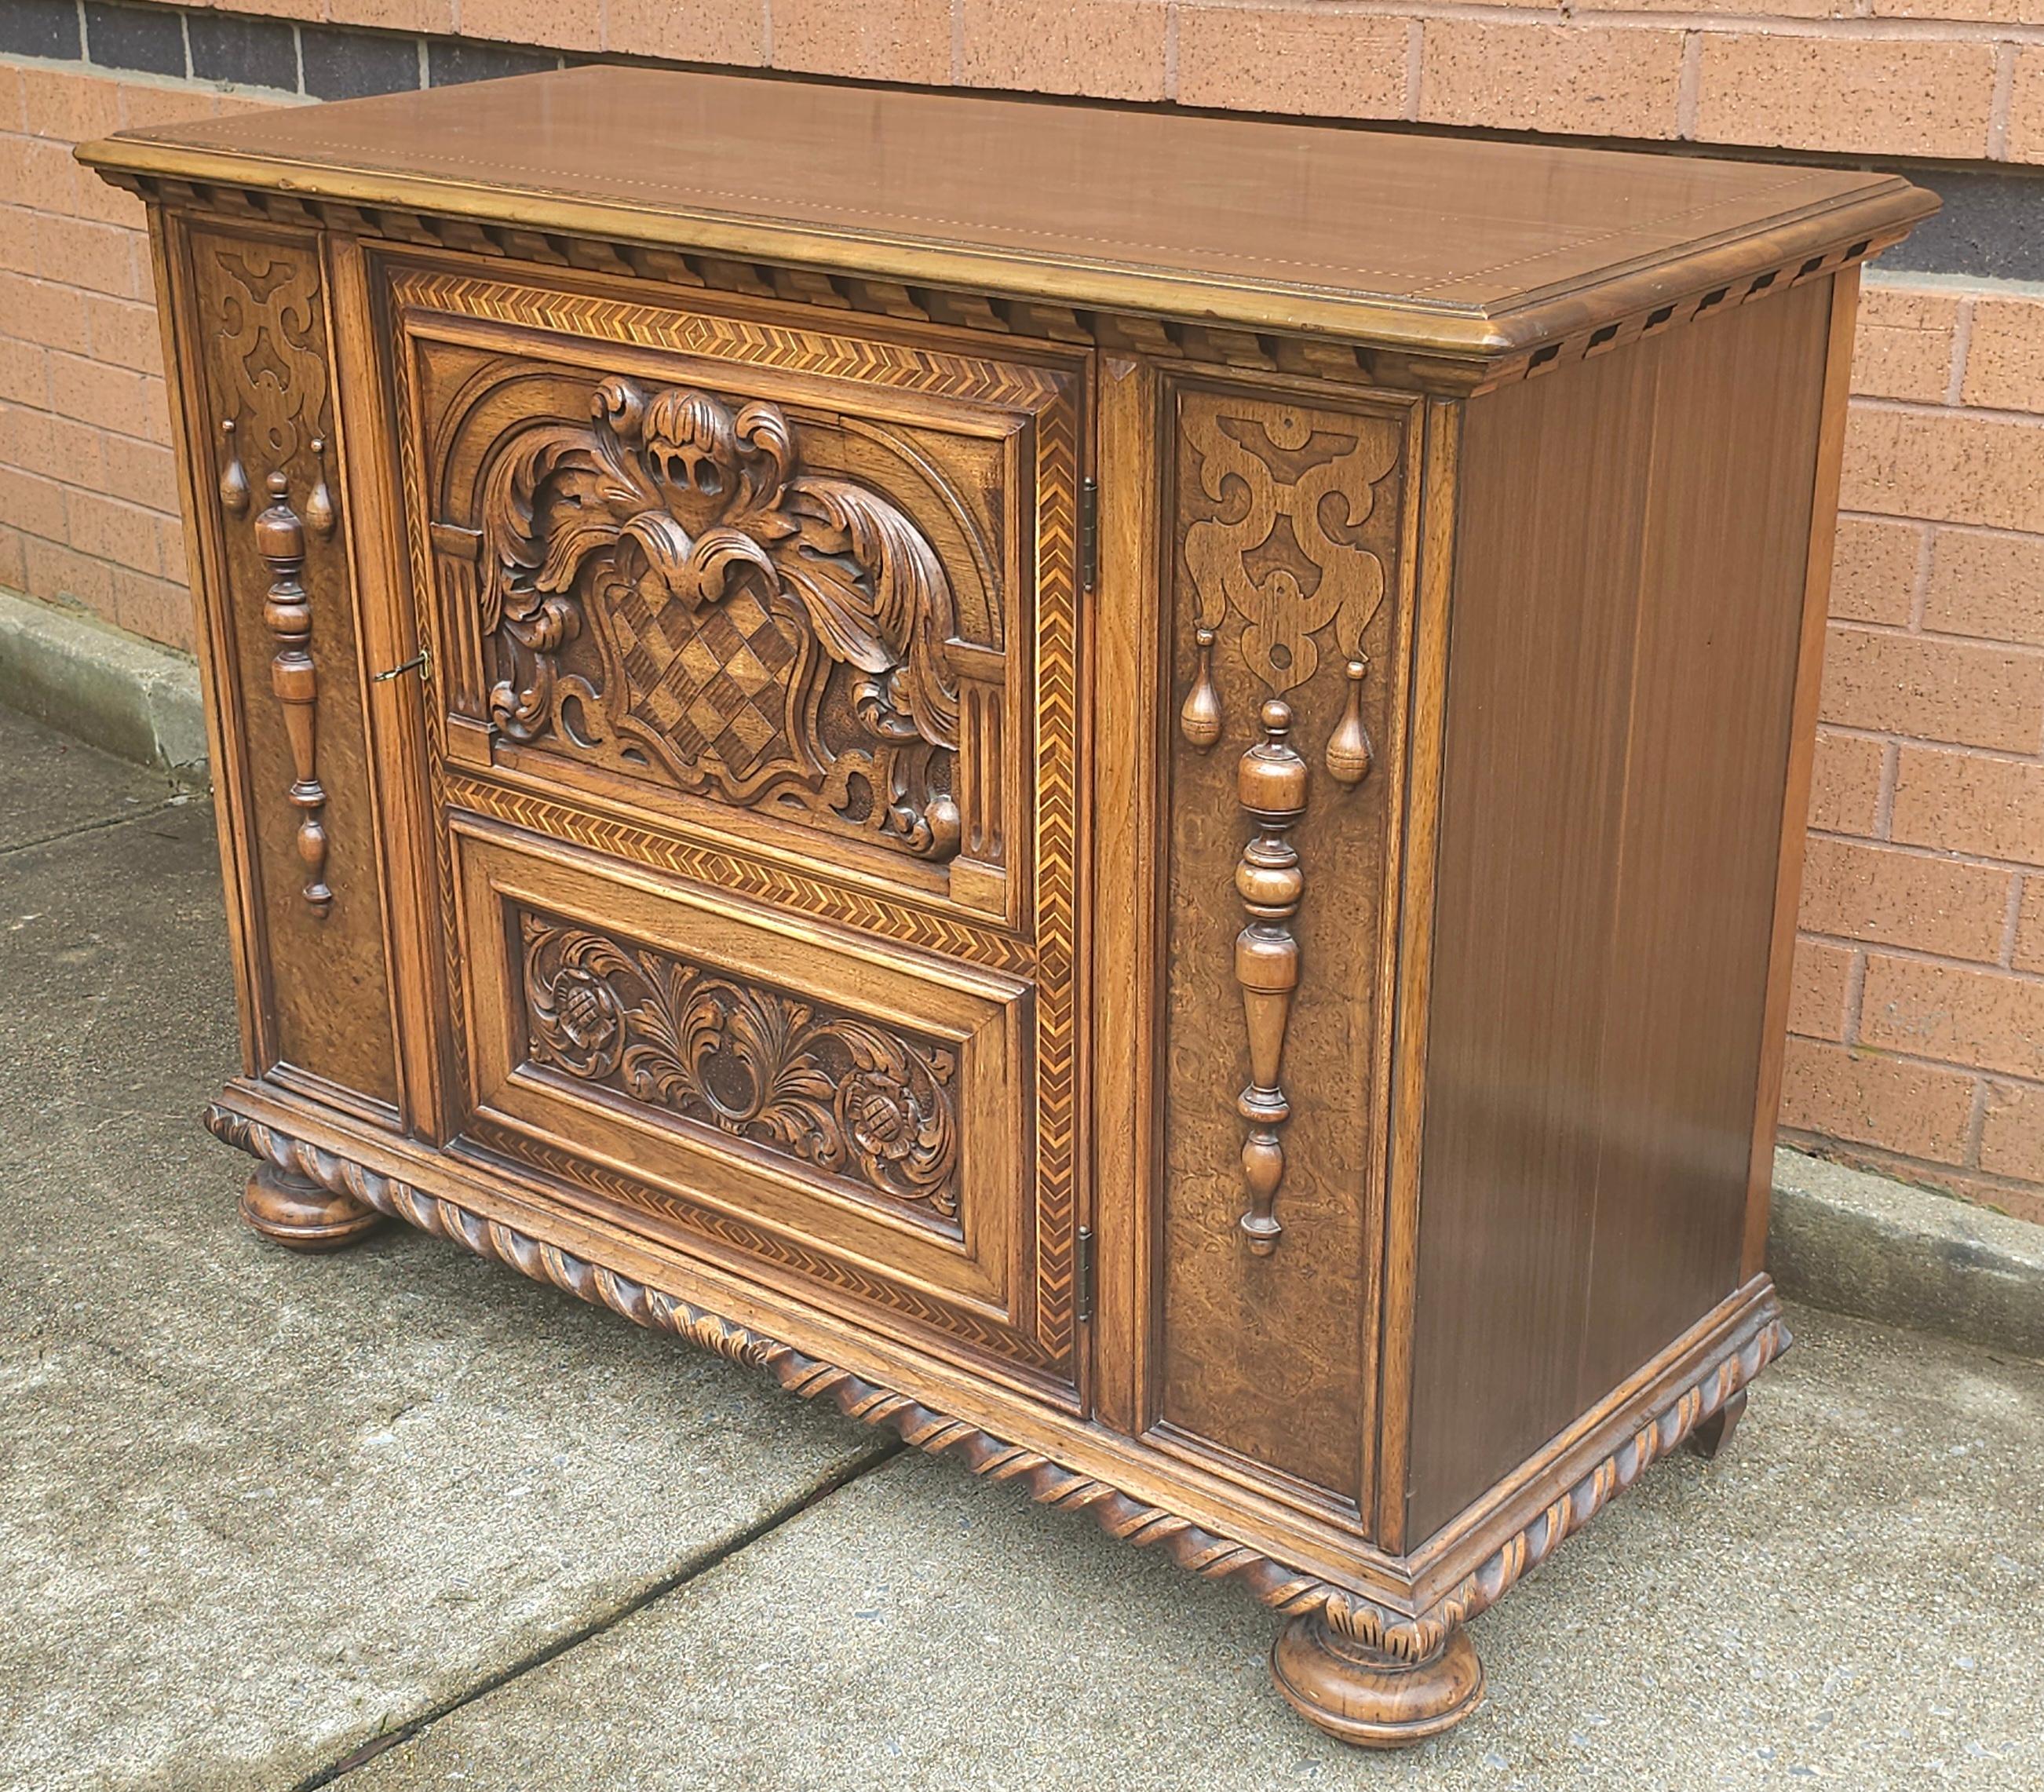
(1089, 533)
(1082, 1253)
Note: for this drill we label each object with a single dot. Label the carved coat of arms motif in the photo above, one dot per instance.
(768, 636)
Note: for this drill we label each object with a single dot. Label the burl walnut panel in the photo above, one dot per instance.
(1288, 617)
(283, 612)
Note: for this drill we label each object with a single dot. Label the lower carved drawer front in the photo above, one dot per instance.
(837, 1117)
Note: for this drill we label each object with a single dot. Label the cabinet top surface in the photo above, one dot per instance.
(1462, 245)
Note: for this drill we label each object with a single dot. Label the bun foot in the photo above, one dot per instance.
(1364, 1695)
(295, 1211)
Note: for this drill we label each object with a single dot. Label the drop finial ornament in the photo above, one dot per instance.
(1349, 757)
(233, 477)
(319, 505)
(1199, 720)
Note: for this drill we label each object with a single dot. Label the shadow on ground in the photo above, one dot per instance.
(258, 1511)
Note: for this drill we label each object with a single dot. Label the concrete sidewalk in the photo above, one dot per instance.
(260, 1512)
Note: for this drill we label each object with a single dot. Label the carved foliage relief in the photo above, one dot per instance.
(768, 636)
(899, 517)
(829, 1091)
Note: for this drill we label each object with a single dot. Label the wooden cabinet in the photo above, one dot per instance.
(1124, 790)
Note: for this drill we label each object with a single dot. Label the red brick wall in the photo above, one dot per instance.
(1918, 1029)
(88, 493)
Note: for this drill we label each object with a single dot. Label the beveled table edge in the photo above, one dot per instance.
(1878, 214)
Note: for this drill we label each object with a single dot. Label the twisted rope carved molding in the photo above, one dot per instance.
(1350, 1615)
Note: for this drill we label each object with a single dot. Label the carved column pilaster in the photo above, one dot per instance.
(1278, 494)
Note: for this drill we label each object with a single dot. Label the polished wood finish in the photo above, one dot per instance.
(1475, 246)
(293, 1210)
(283, 663)
(1289, 544)
(1145, 841)
(1369, 1697)
(1601, 962)
(1802, 752)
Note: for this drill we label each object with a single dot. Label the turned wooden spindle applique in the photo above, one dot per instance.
(280, 539)
(1271, 783)
(1276, 556)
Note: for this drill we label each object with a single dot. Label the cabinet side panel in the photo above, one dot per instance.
(1714, 683)
(1627, 608)
(1554, 478)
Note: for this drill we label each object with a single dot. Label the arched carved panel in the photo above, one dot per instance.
(726, 587)
(767, 635)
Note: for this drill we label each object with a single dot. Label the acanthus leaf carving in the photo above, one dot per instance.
(770, 636)
(829, 1090)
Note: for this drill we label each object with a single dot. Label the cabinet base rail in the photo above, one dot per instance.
(1362, 1670)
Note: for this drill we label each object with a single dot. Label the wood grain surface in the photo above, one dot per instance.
(1626, 615)
(321, 1000)
(1288, 531)
(1418, 239)
(1142, 824)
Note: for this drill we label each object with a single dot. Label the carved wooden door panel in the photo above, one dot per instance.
(279, 633)
(1287, 527)
(754, 639)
